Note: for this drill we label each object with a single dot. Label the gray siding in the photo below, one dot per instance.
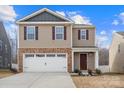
(45, 16)
(5, 52)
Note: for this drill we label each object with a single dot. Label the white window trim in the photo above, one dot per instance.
(27, 32)
(55, 33)
(81, 34)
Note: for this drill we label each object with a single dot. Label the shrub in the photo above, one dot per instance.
(90, 72)
(98, 71)
(79, 73)
(76, 70)
(14, 70)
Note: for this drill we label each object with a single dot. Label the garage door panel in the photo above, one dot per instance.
(45, 62)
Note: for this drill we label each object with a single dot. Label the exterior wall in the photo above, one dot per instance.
(45, 38)
(21, 51)
(90, 60)
(90, 42)
(116, 58)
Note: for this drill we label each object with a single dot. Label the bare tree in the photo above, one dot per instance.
(103, 56)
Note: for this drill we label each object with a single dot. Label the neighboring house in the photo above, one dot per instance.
(5, 49)
(116, 53)
(50, 42)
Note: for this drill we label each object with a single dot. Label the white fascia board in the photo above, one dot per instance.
(84, 49)
(42, 10)
(83, 26)
(44, 22)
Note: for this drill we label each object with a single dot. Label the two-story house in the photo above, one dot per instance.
(5, 49)
(50, 42)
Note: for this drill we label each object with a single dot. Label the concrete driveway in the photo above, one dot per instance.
(38, 80)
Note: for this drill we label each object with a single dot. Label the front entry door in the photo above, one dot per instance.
(83, 61)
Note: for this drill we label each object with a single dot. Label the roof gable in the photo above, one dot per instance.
(44, 15)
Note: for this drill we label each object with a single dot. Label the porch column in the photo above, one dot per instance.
(96, 59)
(72, 61)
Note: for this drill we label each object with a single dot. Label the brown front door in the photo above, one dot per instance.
(83, 61)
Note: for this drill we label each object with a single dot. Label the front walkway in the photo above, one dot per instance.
(38, 80)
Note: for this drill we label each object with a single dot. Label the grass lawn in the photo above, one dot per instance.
(5, 73)
(102, 81)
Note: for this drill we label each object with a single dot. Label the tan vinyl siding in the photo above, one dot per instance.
(45, 38)
(89, 42)
(116, 58)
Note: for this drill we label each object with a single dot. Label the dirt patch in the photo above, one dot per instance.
(103, 81)
(5, 73)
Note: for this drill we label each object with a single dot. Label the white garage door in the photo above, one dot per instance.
(45, 63)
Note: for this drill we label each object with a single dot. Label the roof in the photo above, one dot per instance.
(83, 26)
(41, 11)
(120, 33)
(68, 21)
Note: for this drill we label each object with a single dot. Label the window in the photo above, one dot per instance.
(83, 34)
(40, 55)
(0, 45)
(29, 55)
(50, 55)
(61, 55)
(59, 32)
(30, 32)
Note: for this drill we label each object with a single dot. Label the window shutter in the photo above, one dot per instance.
(78, 34)
(25, 33)
(53, 33)
(87, 34)
(64, 33)
(36, 33)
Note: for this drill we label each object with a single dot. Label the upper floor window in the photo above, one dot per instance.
(83, 34)
(30, 32)
(0, 45)
(59, 32)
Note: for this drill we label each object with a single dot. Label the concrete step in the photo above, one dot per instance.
(84, 72)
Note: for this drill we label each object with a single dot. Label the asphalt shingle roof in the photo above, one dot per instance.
(121, 33)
